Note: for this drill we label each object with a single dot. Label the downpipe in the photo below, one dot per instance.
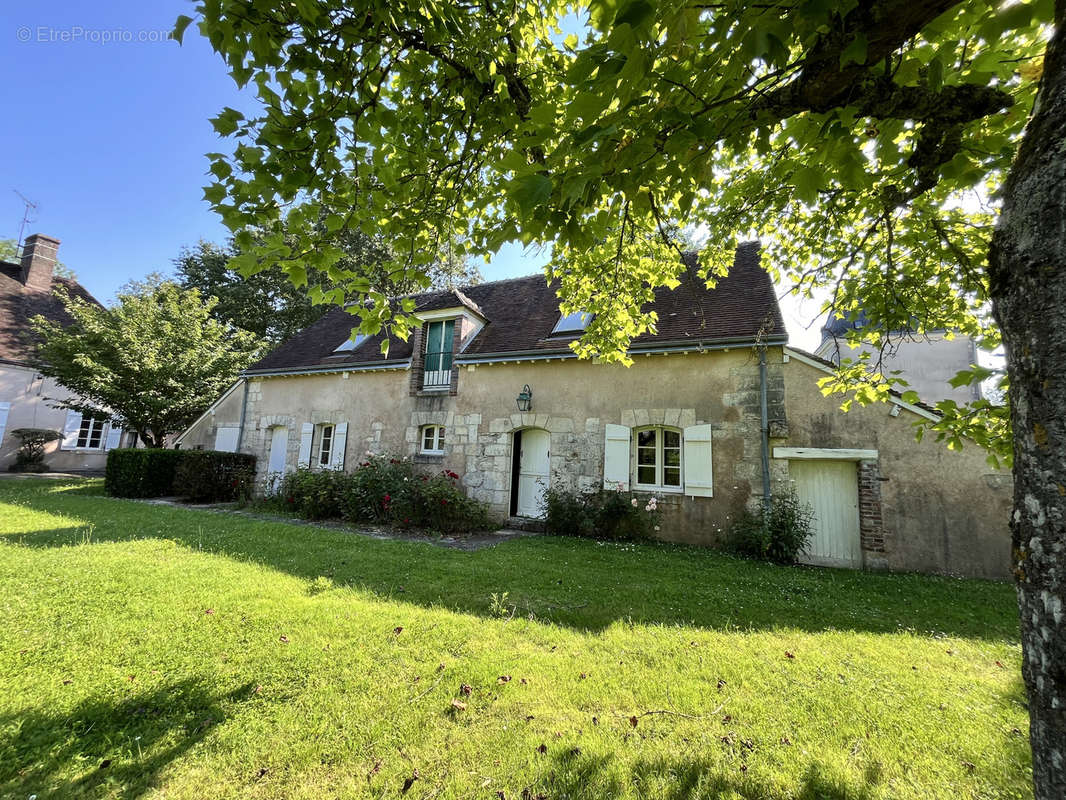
(764, 430)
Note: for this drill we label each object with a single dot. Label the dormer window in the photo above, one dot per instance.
(572, 323)
(438, 361)
(351, 344)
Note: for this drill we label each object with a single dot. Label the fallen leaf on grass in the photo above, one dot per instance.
(969, 765)
(67, 682)
(398, 630)
(504, 679)
(283, 639)
(466, 689)
(209, 611)
(542, 749)
(458, 705)
(262, 771)
(633, 721)
(789, 654)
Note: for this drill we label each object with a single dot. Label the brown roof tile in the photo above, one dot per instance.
(521, 313)
(18, 305)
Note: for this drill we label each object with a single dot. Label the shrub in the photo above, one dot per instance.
(212, 476)
(438, 503)
(314, 494)
(141, 473)
(379, 486)
(30, 454)
(778, 533)
(603, 514)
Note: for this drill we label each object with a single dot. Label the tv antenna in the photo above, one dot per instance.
(25, 219)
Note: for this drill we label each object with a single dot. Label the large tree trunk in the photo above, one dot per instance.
(1027, 268)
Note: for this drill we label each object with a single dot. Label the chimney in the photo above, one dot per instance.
(38, 262)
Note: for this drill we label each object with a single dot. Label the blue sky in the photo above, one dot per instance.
(108, 137)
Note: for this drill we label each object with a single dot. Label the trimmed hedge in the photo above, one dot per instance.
(200, 475)
(214, 476)
(133, 472)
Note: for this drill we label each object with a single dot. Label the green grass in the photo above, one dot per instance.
(199, 654)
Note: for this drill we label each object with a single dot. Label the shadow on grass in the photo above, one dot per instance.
(103, 746)
(573, 774)
(579, 583)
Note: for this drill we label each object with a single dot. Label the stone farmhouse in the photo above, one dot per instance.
(716, 411)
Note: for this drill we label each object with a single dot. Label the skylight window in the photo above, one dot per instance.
(572, 323)
(351, 344)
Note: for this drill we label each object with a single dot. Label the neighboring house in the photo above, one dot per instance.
(489, 388)
(27, 398)
(927, 361)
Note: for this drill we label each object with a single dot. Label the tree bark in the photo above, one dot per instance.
(1027, 271)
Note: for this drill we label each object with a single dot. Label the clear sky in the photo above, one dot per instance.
(106, 133)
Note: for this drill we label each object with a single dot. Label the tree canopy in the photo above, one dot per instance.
(858, 141)
(156, 360)
(271, 306)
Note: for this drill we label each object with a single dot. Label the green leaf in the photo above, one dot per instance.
(635, 14)
(855, 51)
(530, 192)
(180, 24)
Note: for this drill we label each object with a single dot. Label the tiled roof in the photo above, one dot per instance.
(521, 313)
(18, 305)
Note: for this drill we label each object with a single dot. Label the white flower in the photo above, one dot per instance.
(634, 502)
(647, 508)
(656, 527)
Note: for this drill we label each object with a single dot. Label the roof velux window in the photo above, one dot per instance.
(572, 323)
(351, 344)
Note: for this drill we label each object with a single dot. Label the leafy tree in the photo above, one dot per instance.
(268, 304)
(156, 360)
(861, 141)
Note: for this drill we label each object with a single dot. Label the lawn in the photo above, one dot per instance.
(151, 651)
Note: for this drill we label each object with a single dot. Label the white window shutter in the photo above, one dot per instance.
(4, 408)
(114, 436)
(226, 438)
(699, 476)
(303, 459)
(340, 440)
(616, 457)
(70, 430)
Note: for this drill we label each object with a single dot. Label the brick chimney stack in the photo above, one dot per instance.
(38, 262)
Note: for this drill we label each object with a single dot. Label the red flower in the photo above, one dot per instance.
(291, 500)
(387, 498)
(444, 502)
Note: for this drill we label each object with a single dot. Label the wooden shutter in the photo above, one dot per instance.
(340, 440)
(616, 457)
(303, 459)
(4, 408)
(699, 475)
(114, 436)
(70, 430)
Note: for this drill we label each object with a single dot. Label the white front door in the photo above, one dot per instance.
(831, 489)
(279, 445)
(533, 472)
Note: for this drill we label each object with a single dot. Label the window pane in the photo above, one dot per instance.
(646, 475)
(671, 439)
(427, 439)
(672, 457)
(646, 438)
(646, 455)
(671, 476)
(440, 439)
(97, 431)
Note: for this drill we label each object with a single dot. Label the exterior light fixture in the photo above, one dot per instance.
(525, 399)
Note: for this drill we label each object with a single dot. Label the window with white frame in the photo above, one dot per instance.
(325, 445)
(658, 452)
(433, 440)
(351, 343)
(91, 433)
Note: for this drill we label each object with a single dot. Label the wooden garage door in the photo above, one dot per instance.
(831, 488)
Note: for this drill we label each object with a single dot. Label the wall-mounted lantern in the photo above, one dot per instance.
(525, 399)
